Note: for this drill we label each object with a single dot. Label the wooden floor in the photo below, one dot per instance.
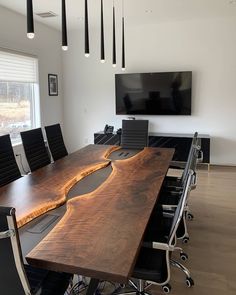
(212, 246)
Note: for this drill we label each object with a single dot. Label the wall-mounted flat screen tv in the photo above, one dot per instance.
(167, 93)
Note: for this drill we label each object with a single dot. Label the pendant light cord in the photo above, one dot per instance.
(123, 13)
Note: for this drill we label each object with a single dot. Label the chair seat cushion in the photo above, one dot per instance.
(49, 282)
(151, 265)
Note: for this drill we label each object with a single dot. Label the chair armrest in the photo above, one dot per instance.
(168, 214)
(160, 246)
(156, 245)
(169, 208)
(172, 188)
(163, 246)
(173, 192)
(7, 234)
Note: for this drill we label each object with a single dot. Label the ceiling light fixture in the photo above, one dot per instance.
(64, 27)
(102, 35)
(30, 20)
(123, 37)
(114, 37)
(86, 28)
(30, 30)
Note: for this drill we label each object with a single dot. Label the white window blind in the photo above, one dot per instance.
(18, 68)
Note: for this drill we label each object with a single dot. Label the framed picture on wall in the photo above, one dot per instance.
(52, 85)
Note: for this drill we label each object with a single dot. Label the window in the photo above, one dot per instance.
(19, 95)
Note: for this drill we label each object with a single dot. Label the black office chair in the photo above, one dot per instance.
(134, 134)
(9, 170)
(154, 260)
(55, 141)
(17, 278)
(172, 182)
(35, 149)
(169, 198)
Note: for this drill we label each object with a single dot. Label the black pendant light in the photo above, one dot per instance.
(30, 20)
(64, 28)
(123, 43)
(102, 35)
(86, 37)
(123, 37)
(114, 38)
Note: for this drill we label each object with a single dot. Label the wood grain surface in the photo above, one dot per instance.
(101, 232)
(46, 188)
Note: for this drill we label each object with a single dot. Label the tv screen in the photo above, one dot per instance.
(167, 93)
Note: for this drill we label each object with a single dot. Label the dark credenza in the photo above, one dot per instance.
(107, 138)
(181, 143)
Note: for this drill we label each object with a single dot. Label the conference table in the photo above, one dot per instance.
(99, 233)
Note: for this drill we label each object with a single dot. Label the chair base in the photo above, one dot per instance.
(141, 287)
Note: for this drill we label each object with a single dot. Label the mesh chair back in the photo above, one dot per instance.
(193, 164)
(13, 279)
(9, 170)
(180, 208)
(134, 134)
(35, 150)
(55, 141)
(190, 158)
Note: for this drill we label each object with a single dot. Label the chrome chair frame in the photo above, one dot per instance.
(12, 234)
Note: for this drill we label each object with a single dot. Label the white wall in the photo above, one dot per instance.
(46, 46)
(206, 47)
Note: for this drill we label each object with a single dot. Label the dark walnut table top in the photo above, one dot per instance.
(101, 233)
(46, 188)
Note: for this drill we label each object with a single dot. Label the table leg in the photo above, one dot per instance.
(92, 287)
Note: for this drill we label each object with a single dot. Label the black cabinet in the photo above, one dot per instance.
(181, 143)
(106, 138)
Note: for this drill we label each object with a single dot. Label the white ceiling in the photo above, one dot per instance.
(136, 11)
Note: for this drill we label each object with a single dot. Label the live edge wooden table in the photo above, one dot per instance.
(101, 232)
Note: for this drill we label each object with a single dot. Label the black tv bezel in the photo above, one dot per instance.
(145, 114)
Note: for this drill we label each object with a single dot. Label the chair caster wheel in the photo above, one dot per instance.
(122, 286)
(166, 289)
(189, 282)
(184, 256)
(185, 240)
(190, 216)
